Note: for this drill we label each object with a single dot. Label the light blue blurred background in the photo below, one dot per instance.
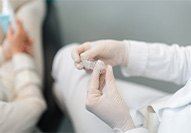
(144, 20)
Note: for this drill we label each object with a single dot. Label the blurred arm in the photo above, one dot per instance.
(2, 57)
(21, 114)
(32, 15)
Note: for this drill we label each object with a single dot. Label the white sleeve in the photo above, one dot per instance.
(22, 113)
(135, 130)
(138, 130)
(158, 61)
(2, 58)
(173, 112)
(32, 15)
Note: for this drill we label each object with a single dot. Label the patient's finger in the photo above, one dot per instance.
(28, 50)
(10, 32)
(21, 30)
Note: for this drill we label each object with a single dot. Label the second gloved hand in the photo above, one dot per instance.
(109, 51)
(105, 102)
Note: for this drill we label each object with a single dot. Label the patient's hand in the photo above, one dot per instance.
(17, 42)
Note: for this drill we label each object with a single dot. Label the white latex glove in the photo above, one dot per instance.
(105, 102)
(109, 51)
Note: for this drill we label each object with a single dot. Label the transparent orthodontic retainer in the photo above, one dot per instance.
(89, 65)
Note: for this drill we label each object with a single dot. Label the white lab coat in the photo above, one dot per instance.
(152, 111)
(170, 114)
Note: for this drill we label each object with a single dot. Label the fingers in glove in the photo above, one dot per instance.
(92, 53)
(78, 50)
(102, 81)
(94, 93)
(109, 77)
(109, 80)
(75, 55)
(79, 66)
(94, 80)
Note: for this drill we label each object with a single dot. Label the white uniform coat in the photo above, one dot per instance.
(170, 114)
(152, 111)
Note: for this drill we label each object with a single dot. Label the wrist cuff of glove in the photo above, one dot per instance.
(137, 58)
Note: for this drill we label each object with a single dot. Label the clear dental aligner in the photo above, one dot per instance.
(89, 65)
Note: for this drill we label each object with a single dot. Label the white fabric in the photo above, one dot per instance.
(71, 88)
(159, 61)
(168, 63)
(32, 15)
(2, 57)
(138, 130)
(140, 52)
(23, 106)
(24, 71)
(22, 61)
(4, 95)
(22, 112)
(15, 3)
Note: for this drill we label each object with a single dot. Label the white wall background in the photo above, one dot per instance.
(145, 20)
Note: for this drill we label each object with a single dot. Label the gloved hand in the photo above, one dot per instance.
(109, 51)
(105, 102)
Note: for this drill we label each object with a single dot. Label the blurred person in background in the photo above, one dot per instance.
(21, 69)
